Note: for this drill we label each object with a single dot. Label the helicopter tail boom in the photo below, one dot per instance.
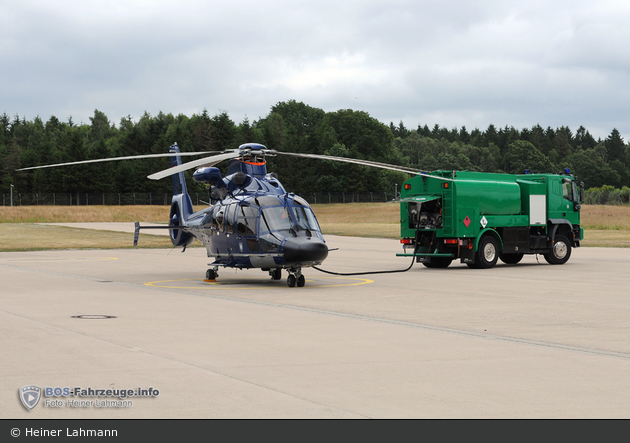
(181, 204)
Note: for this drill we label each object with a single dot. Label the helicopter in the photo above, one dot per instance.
(251, 220)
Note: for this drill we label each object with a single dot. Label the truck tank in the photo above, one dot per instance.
(489, 197)
(456, 205)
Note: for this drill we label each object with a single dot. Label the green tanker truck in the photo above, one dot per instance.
(481, 217)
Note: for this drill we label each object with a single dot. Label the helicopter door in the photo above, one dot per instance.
(229, 218)
(247, 219)
(218, 218)
(247, 225)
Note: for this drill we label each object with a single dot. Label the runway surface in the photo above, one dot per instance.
(525, 341)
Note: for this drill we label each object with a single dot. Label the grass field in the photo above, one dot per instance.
(21, 228)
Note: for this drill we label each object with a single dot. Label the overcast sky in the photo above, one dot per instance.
(450, 62)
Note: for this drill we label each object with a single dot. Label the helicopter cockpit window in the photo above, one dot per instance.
(276, 218)
(246, 221)
(271, 242)
(300, 201)
(305, 218)
(267, 200)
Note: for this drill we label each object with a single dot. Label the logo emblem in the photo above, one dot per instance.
(30, 396)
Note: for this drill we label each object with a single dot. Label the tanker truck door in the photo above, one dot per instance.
(537, 209)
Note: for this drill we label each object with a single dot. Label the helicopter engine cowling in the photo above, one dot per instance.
(240, 179)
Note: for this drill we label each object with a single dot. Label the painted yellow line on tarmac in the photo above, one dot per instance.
(244, 284)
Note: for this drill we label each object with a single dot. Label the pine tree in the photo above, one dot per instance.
(615, 147)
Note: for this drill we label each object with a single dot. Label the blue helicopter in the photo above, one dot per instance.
(251, 221)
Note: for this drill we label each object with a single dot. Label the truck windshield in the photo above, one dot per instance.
(576, 194)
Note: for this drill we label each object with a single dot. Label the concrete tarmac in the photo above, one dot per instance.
(517, 341)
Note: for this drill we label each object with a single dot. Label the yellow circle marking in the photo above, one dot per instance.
(239, 285)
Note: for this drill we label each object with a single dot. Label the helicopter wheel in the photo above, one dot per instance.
(291, 280)
(295, 277)
(276, 274)
(211, 275)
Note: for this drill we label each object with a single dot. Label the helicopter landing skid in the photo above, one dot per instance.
(212, 274)
(295, 278)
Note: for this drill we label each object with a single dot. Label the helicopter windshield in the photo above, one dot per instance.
(275, 218)
(305, 218)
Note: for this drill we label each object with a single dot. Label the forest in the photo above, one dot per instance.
(293, 127)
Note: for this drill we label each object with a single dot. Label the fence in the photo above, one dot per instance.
(81, 199)
(607, 196)
(134, 198)
(593, 197)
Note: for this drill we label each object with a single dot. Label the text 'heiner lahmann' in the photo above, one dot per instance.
(30, 432)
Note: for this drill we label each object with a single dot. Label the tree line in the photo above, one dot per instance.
(293, 127)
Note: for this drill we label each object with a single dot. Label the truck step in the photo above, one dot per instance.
(424, 254)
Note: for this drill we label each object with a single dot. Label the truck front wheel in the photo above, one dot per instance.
(488, 253)
(560, 251)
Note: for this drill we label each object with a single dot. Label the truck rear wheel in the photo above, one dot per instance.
(488, 253)
(560, 251)
(511, 259)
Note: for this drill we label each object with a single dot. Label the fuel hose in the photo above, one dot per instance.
(413, 258)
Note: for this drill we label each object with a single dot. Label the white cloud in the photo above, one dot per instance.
(448, 62)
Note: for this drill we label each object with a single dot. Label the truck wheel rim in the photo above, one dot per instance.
(489, 252)
(560, 250)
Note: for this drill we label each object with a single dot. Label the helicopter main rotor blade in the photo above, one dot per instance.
(364, 163)
(129, 157)
(206, 161)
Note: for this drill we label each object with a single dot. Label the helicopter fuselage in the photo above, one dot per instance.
(253, 222)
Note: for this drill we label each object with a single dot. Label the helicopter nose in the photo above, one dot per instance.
(310, 249)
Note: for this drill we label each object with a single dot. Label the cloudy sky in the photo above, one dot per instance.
(450, 62)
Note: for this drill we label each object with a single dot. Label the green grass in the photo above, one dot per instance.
(605, 226)
(36, 237)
